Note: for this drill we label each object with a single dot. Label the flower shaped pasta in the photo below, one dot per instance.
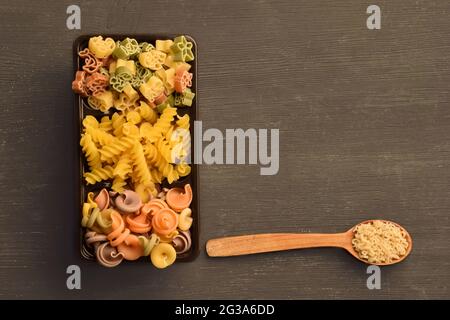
(153, 59)
(183, 79)
(97, 83)
(182, 49)
(152, 88)
(79, 84)
(101, 48)
(91, 63)
(126, 48)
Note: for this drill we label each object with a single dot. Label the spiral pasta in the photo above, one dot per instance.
(147, 113)
(90, 150)
(118, 184)
(105, 124)
(99, 136)
(142, 171)
(117, 121)
(162, 125)
(167, 169)
(123, 167)
(117, 147)
(164, 149)
(90, 122)
(183, 169)
(99, 174)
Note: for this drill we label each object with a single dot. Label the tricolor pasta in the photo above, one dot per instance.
(135, 140)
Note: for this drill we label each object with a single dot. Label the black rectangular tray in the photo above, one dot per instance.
(82, 109)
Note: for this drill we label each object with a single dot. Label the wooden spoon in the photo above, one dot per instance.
(259, 243)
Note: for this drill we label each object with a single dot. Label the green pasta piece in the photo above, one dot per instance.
(120, 52)
(143, 73)
(117, 83)
(178, 99)
(126, 48)
(136, 82)
(145, 46)
(104, 71)
(142, 76)
(185, 98)
(123, 72)
(182, 49)
(170, 100)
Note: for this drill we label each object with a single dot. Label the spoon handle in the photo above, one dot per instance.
(259, 243)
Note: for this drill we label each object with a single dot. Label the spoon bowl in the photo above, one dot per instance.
(270, 242)
(353, 252)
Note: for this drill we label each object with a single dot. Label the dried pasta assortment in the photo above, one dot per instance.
(380, 242)
(141, 143)
(120, 226)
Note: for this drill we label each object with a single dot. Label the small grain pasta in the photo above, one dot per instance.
(380, 242)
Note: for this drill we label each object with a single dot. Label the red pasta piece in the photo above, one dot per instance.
(79, 84)
(183, 79)
(161, 98)
(91, 63)
(97, 83)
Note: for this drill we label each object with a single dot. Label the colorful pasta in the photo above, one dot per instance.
(135, 148)
(101, 48)
(152, 88)
(90, 150)
(182, 49)
(153, 59)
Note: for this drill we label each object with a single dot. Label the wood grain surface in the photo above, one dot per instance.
(364, 121)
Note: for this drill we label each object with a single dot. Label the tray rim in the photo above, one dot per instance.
(78, 114)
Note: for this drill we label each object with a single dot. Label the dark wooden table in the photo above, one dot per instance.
(364, 121)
